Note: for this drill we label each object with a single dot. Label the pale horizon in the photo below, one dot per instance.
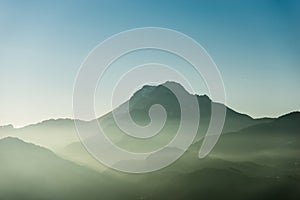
(99, 116)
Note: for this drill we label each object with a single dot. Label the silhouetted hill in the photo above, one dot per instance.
(274, 143)
(286, 124)
(211, 183)
(28, 171)
(52, 134)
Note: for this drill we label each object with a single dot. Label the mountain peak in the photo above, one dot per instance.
(163, 94)
(149, 90)
(173, 84)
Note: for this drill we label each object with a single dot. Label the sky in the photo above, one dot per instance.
(255, 44)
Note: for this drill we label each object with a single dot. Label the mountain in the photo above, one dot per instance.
(139, 105)
(143, 99)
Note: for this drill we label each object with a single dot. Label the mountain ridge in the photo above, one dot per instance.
(145, 87)
(55, 134)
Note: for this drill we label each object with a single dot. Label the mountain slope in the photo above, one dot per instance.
(276, 143)
(52, 134)
(211, 183)
(143, 99)
(31, 172)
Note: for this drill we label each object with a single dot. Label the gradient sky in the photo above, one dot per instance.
(255, 44)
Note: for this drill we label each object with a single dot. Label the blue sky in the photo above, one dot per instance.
(255, 44)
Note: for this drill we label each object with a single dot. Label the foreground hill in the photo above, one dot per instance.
(272, 143)
(222, 183)
(31, 172)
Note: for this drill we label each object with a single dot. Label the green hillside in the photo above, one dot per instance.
(30, 172)
(273, 143)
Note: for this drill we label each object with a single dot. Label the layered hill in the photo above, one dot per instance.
(31, 172)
